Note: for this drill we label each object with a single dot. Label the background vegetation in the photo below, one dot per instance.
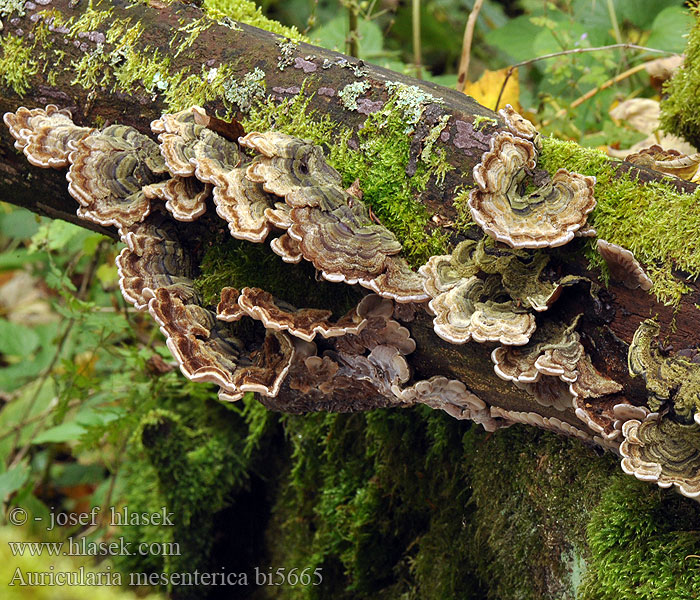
(388, 504)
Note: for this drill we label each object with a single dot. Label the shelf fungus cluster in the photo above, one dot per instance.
(663, 446)
(204, 178)
(265, 187)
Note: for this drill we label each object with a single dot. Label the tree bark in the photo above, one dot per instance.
(608, 325)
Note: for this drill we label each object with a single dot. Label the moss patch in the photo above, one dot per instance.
(680, 111)
(660, 225)
(249, 13)
(17, 64)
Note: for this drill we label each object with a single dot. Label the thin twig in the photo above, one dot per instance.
(467, 45)
(590, 93)
(352, 41)
(417, 50)
(572, 51)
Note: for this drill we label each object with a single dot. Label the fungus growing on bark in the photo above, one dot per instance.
(623, 266)
(45, 135)
(188, 146)
(278, 315)
(663, 451)
(206, 351)
(449, 395)
(547, 217)
(153, 259)
(536, 419)
(331, 225)
(184, 197)
(671, 162)
(108, 171)
(473, 308)
(486, 296)
(520, 126)
(671, 381)
(555, 354)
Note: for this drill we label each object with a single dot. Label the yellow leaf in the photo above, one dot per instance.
(485, 91)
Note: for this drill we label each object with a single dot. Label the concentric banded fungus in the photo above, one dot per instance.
(187, 145)
(331, 226)
(520, 126)
(547, 217)
(46, 136)
(207, 352)
(670, 161)
(153, 259)
(449, 395)
(287, 248)
(663, 451)
(277, 315)
(108, 172)
(536, 419)
(623, 266)
(555, 351)
(184, 197)
(468, 307)
(670, 380)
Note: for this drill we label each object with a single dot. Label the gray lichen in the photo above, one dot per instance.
(351, 92)
(247, 91)
(411, 100)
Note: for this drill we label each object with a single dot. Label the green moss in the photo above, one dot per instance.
(480, 122)
(8, 7)
(640, 538)
(17, 64)
(247, 12)
(680, 110)
(660, 225)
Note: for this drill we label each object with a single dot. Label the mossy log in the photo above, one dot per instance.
(128, 63)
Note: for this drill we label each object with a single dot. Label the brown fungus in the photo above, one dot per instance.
(45, 135)
(207, 352)
(554, 360)
(623, 266)
(520, 126)
(671, 381)
(548, 217)
(185, 197)
(331, 225)
(663, 451)
(185, 145)
(108, 172)
(153, 259)
(671, 162)
(277, 315)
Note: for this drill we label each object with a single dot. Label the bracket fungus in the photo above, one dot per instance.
(108, 170)
(663, 451)
(205, 176)
(623, 266)
(45, 135)
(555, 368)
(500, 205)
(671, 162)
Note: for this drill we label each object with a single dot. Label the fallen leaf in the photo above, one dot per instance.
(486, 89)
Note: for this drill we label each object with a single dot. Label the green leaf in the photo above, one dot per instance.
(12, 480)
(17, 340)
(515, 38)
(19, 224)
(65, 432)
(669, 29)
